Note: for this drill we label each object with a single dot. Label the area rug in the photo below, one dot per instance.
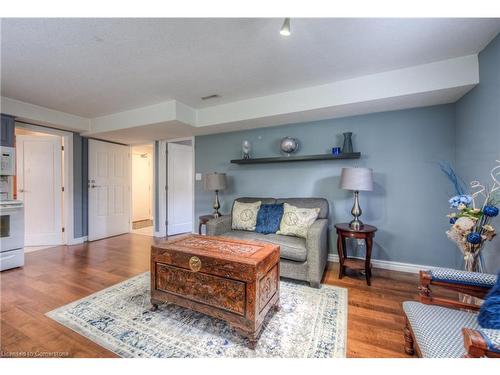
(311, 323)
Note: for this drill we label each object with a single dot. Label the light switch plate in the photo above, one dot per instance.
(197, 176)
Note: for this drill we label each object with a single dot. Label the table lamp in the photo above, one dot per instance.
(215, 182)
(356, 179)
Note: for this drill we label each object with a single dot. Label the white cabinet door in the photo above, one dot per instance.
(179, 188)
(39, 186)
(109, 189)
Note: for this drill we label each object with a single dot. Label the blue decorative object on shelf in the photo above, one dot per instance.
(336, 151)
(490, 211)
(474, 238)
(269, 218)
(489, 314)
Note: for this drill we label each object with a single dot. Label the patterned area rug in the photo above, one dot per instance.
(311, 323)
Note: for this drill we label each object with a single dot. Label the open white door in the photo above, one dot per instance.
(39, 186)
(109, 189)
(179, 188)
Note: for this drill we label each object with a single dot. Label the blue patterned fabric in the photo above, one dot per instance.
(463, 277)
(438, 330)
(269, 218)
(492, 338)
(489, 314)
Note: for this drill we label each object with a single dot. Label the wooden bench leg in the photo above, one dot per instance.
(409, 343)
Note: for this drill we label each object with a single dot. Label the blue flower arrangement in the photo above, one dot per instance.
(471, 221)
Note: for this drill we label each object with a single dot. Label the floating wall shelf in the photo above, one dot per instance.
(284, 159)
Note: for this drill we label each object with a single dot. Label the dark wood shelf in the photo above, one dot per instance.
(284, 159)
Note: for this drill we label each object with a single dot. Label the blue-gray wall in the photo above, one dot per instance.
(478, 133)
(410, 199)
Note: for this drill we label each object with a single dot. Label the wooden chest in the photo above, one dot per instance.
(233, 280)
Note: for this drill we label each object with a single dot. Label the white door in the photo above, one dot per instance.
(109, 189)
(39, 186)
(179, 188)
(141, 187)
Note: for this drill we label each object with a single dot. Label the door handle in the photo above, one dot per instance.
(23, 191)
(95, 186)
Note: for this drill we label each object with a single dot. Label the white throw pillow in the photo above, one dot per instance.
(244, 216)
(296, 221)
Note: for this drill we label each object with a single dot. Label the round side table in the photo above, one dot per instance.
(203, 219)
(366, 233)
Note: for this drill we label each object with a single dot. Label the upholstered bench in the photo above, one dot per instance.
(450, 329)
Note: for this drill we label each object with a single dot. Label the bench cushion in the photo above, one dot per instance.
(463, 277)
(438, 330)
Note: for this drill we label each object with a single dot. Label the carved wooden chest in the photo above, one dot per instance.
(233, 280)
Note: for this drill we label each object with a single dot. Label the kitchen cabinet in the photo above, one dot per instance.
(7, 131)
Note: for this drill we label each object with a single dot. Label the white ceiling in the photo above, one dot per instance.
(93, 67)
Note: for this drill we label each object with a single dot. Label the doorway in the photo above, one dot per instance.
(142, 189)
(40, 186)
(180, 187)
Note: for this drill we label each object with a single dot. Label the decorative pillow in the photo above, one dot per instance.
(296, 221)
(489, 314)
(269, 218)
(245, 215)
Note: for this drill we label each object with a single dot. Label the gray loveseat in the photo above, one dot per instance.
(301, 259)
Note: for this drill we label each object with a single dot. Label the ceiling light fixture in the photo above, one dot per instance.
(285, 29)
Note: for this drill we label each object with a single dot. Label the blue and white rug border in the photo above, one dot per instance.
(340, 346)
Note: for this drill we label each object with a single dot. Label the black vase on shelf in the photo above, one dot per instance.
(347, 147)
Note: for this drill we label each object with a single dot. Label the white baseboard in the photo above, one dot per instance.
(77, 241)
(389, 265)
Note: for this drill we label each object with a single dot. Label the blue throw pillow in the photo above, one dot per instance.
(269, 218)
(489, 314)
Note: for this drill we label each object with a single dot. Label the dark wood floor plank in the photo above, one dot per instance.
(54, 277)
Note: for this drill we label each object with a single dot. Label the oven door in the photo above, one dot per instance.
(11, 227)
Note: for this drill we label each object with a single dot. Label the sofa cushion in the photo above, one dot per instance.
(438, 330)
(320, 203)
(296, 221)
(269, 218)
(291, 248)
(244, 215)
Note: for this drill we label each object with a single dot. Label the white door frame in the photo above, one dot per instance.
(162, 182)
(68, 217)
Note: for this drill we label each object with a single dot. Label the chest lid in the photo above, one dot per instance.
(235, 250)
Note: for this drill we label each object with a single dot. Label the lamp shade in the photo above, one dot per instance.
(215, 181)
(356, 179)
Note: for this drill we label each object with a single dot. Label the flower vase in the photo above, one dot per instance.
(472, 263)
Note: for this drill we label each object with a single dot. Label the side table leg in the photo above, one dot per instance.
(340, 250)
(368, 265)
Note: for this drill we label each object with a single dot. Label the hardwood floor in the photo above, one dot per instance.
(54, 277)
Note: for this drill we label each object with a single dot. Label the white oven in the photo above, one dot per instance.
(11, 234)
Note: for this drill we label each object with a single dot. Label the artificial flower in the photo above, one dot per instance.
(460, 199)
(490, 211)
(474, 238)
(488, 228)
(464, 224)
(461, 207)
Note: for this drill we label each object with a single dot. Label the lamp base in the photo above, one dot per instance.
(216, 212)
(356, 224)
